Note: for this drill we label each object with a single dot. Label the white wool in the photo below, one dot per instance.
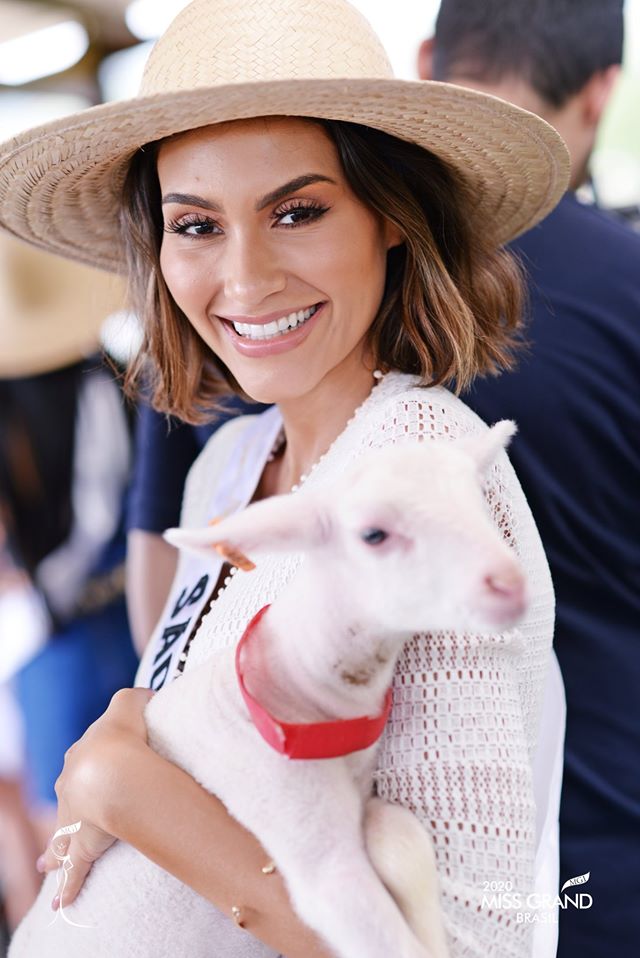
(457, 750)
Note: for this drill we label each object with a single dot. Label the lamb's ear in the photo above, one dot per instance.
(485, 448)
(291, 523)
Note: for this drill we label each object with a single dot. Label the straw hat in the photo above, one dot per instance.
(60, 184)
(50, 310)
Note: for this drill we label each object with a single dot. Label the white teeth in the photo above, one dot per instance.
(276, 327)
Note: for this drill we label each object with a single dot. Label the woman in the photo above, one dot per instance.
(298, 260)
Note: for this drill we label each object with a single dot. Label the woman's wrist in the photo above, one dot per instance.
(191, 835)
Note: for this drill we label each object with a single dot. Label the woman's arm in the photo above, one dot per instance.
(114, 784)
(151, 565)
(190, 834)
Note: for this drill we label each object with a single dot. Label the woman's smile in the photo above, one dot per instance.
(270, 337)
(269, 327)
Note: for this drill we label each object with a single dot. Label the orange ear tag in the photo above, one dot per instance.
(231, 553)
(234, 556)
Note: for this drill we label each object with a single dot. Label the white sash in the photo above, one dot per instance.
(196, 576)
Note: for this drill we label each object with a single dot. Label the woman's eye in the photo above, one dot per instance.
(297, 215)
(197, 226)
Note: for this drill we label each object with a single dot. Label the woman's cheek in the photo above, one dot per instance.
(180, 278)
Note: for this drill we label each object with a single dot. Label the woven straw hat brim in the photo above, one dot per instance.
(51, 310)
(61, 184)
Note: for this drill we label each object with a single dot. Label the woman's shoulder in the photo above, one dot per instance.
(402, 409)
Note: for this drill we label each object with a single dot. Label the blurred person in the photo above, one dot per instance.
(64, 468)
(576, 400)
(19, 881)
(19, 845)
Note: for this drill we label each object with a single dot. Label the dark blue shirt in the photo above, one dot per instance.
(165, 450)
(576, 399)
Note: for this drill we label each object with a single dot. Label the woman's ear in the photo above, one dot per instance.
(392, 235)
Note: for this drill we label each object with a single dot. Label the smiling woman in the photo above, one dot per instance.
(302, 228)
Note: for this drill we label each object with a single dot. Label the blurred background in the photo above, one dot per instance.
(57, 58)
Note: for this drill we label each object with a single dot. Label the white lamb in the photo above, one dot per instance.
(379, 549)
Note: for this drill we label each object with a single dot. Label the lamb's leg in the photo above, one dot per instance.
(340, 896)
(402, 854)
(346, 903)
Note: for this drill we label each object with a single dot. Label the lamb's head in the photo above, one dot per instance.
(415, 523)
(405, 534)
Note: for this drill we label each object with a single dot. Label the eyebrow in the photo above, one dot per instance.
(191, 199)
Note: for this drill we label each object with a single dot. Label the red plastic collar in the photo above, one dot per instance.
(312, 739)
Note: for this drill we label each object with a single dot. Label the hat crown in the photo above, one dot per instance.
(219, 42)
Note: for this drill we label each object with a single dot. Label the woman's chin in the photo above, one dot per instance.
(269, 390)
(278, 384)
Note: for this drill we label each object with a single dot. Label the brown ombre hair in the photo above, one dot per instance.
(451, 308)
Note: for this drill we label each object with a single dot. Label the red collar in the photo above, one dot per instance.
(312, 739)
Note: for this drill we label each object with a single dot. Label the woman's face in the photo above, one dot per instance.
(266, 250)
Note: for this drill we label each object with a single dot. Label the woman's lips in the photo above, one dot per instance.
(271, 347)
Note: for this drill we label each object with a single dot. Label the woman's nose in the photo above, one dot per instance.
(252, 271)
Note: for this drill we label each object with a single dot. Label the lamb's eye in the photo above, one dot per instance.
(373, 537)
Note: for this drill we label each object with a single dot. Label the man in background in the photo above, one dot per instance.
(576, 398)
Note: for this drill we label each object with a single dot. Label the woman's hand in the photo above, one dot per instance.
(87, 780)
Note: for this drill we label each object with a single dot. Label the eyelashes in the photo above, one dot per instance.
(192, 224)
(298, 212)
(305, 210)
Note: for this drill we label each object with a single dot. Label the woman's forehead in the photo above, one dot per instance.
(259, 140)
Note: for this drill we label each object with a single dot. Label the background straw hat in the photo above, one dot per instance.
(51, 310)
(60, 185)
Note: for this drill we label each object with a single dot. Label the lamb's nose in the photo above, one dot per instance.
(506, 592)
(508, 585)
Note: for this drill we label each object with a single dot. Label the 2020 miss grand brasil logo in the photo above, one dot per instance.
(534, 907)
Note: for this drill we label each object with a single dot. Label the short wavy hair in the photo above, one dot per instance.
(452, 302)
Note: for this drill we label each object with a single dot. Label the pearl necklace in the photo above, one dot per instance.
(277, 447)
(377, 375)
